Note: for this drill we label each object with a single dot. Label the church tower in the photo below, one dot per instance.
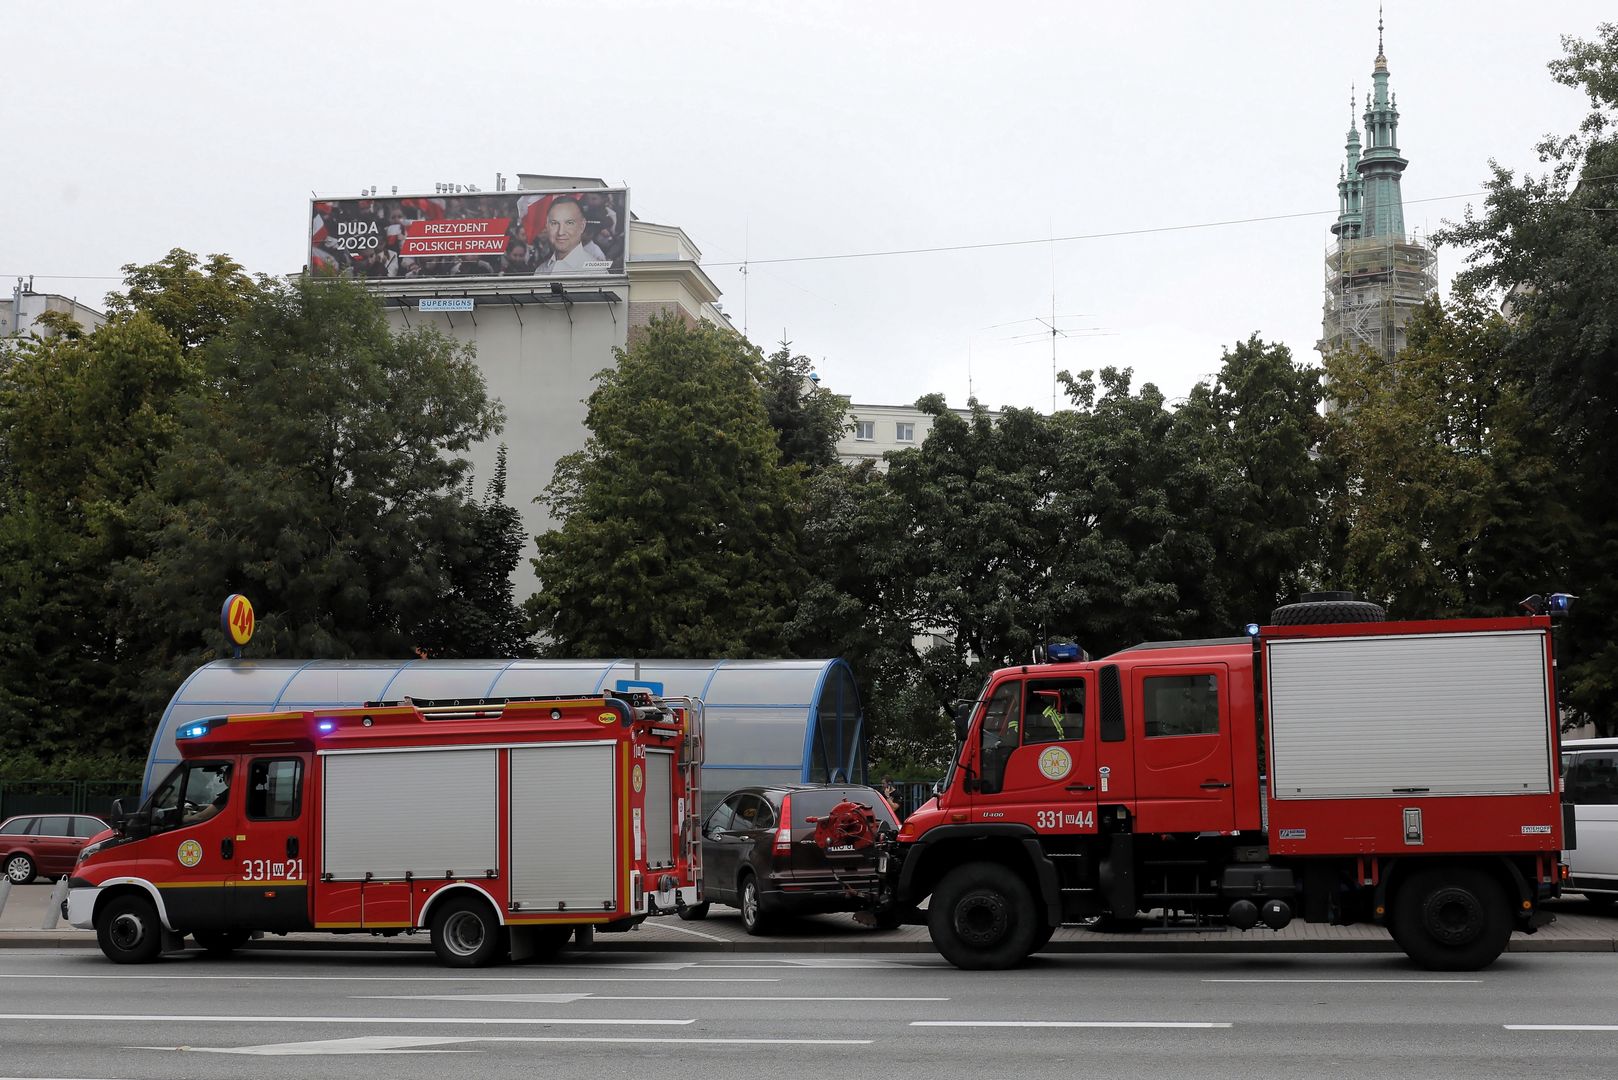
(1375, 275)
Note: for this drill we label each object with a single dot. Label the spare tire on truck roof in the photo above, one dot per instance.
(1327, 607)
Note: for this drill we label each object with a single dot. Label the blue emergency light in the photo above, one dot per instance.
(195, 731)
(1252, 629)
(327, 725)
(1063, 652)
(1560, 603)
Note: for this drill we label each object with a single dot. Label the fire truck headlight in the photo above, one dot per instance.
(90, 849)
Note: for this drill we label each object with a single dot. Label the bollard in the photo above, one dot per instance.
(5, 891)
(54, 911)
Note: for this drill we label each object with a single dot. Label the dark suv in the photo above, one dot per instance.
(759, 854)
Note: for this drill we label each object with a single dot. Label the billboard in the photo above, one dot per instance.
(530, 234)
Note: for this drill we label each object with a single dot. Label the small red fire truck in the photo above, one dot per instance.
(1402, 773)
(498, 825)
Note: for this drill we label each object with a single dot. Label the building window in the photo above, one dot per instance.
(865, 430)
(905, 432)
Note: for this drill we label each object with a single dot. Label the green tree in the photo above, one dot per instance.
(1449, 479)
(1251, 440)
(679, 532)
(1546, 244)
(86, 420)
(808, 419)
(479, 615)
(318, 471)
(194, 301)
(1133, 560)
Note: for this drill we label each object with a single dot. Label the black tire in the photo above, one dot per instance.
(1452, 919)
(466, 933)
(221, 942)
(981, 917)
(695, 912)
(128, 931)
(1320, 612)
(755, 919)
(20, 869)
(1042, 938)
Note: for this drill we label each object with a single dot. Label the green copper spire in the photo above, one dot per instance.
(1349, 185)
(1379, 168)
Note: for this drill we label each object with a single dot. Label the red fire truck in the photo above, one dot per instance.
(1398, 773)
(497, 825)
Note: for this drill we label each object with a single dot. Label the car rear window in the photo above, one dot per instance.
(818, 802)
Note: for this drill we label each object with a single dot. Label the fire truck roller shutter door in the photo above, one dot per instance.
(565, 841)
(427, 813)
(659, 808)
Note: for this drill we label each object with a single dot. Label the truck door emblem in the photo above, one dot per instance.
(190, 853)
(637, 777)
(1055, 763)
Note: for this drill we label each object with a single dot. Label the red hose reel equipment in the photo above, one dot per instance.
(847, 825)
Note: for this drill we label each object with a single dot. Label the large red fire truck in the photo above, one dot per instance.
(1402, 773)
(498, 825)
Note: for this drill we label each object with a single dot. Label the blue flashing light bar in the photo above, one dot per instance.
(1064, 652)
(192, 731)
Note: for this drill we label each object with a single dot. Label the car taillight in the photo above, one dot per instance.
(783, 832)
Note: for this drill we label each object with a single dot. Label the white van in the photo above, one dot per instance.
(1590, 779)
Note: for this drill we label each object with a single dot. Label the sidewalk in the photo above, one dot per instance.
(1576, 929)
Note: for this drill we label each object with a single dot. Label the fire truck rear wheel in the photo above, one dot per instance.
(128, 931)
(466, 933)
(695, 912)
(1452, 919)
(981, 917)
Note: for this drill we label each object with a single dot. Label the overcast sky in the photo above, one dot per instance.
(785, 130)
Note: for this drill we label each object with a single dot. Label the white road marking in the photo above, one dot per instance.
(398, 978)
(449, 1021)
(1068, 1024)
(1560, 1027)
(1431, 982)
(568, 999)
(384, 1044)
(695, 933)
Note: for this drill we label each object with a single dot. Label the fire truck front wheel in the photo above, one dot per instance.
(1452, 919)
(981, 917)
(466, 933)
(127, 929)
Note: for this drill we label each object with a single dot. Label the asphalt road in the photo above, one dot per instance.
(69, 1013)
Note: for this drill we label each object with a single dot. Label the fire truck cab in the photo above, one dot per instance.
(499, 826)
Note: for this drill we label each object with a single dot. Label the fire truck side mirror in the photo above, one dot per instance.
(961, 713)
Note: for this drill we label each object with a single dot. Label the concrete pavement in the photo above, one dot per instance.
(1577, 929)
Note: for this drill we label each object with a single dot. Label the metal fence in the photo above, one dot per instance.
(65, 796)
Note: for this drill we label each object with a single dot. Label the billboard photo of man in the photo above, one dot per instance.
(537, 234)
(571, 253)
